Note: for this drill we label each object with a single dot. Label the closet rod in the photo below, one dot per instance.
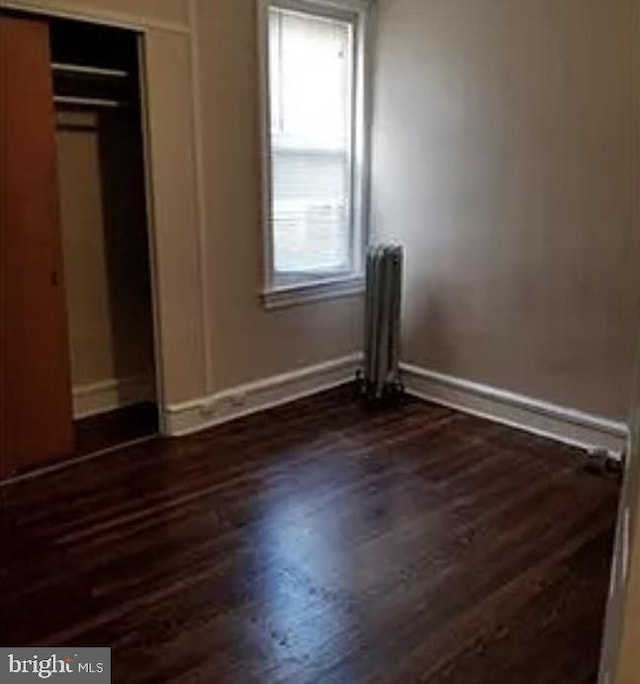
(88, 70)
(88, 101)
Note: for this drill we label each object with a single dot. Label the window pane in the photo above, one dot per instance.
(311, 94)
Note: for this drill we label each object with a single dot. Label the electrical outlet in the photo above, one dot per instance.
(208, 410)
(239, 399)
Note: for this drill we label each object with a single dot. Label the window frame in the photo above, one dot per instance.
(312, 287)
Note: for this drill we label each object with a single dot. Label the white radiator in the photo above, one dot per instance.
(381, 375)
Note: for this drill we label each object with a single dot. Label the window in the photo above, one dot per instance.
(315, 152)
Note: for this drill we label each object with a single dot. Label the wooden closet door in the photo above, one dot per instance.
(35, 386)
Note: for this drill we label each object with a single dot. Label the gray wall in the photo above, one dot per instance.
(503, 160)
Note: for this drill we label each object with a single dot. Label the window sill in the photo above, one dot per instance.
(280, 297)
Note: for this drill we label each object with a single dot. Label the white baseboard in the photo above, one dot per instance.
(193, 416)
(107, 395)
(557, 422)
(532, 415)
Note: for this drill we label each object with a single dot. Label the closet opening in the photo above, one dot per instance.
(84, 170)
(103, 218)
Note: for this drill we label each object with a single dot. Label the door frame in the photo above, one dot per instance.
(152, 238)
(614, 643)
(621, 562)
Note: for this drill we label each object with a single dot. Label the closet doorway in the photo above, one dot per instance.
(100, 223)
(104, 229)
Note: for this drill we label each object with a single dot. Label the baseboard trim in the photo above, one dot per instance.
(193, 416)
(563, 424)
(108, 395)
(566, 425)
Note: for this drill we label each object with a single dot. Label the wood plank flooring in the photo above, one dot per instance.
(319, 542)
(107, 430)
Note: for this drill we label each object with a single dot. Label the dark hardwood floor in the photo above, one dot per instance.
(107, 430)
(319, 542)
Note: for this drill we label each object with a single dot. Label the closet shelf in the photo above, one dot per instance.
(88, 102)
(83, 70)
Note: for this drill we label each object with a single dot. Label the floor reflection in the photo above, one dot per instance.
(300, 557)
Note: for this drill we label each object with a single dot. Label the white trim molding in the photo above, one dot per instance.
(301, 293)
(197, 111)
(563, 424)
(97, 15)
(358, 13)
(107, 395)
(242, 400)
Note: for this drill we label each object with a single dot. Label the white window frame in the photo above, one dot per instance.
(359, 12)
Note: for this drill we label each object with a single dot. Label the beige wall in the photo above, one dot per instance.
(503, 161)
(246, 342)
(170, 11)
(243, 341)
(105, 255)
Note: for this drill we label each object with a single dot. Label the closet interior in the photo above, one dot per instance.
(84, 119)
